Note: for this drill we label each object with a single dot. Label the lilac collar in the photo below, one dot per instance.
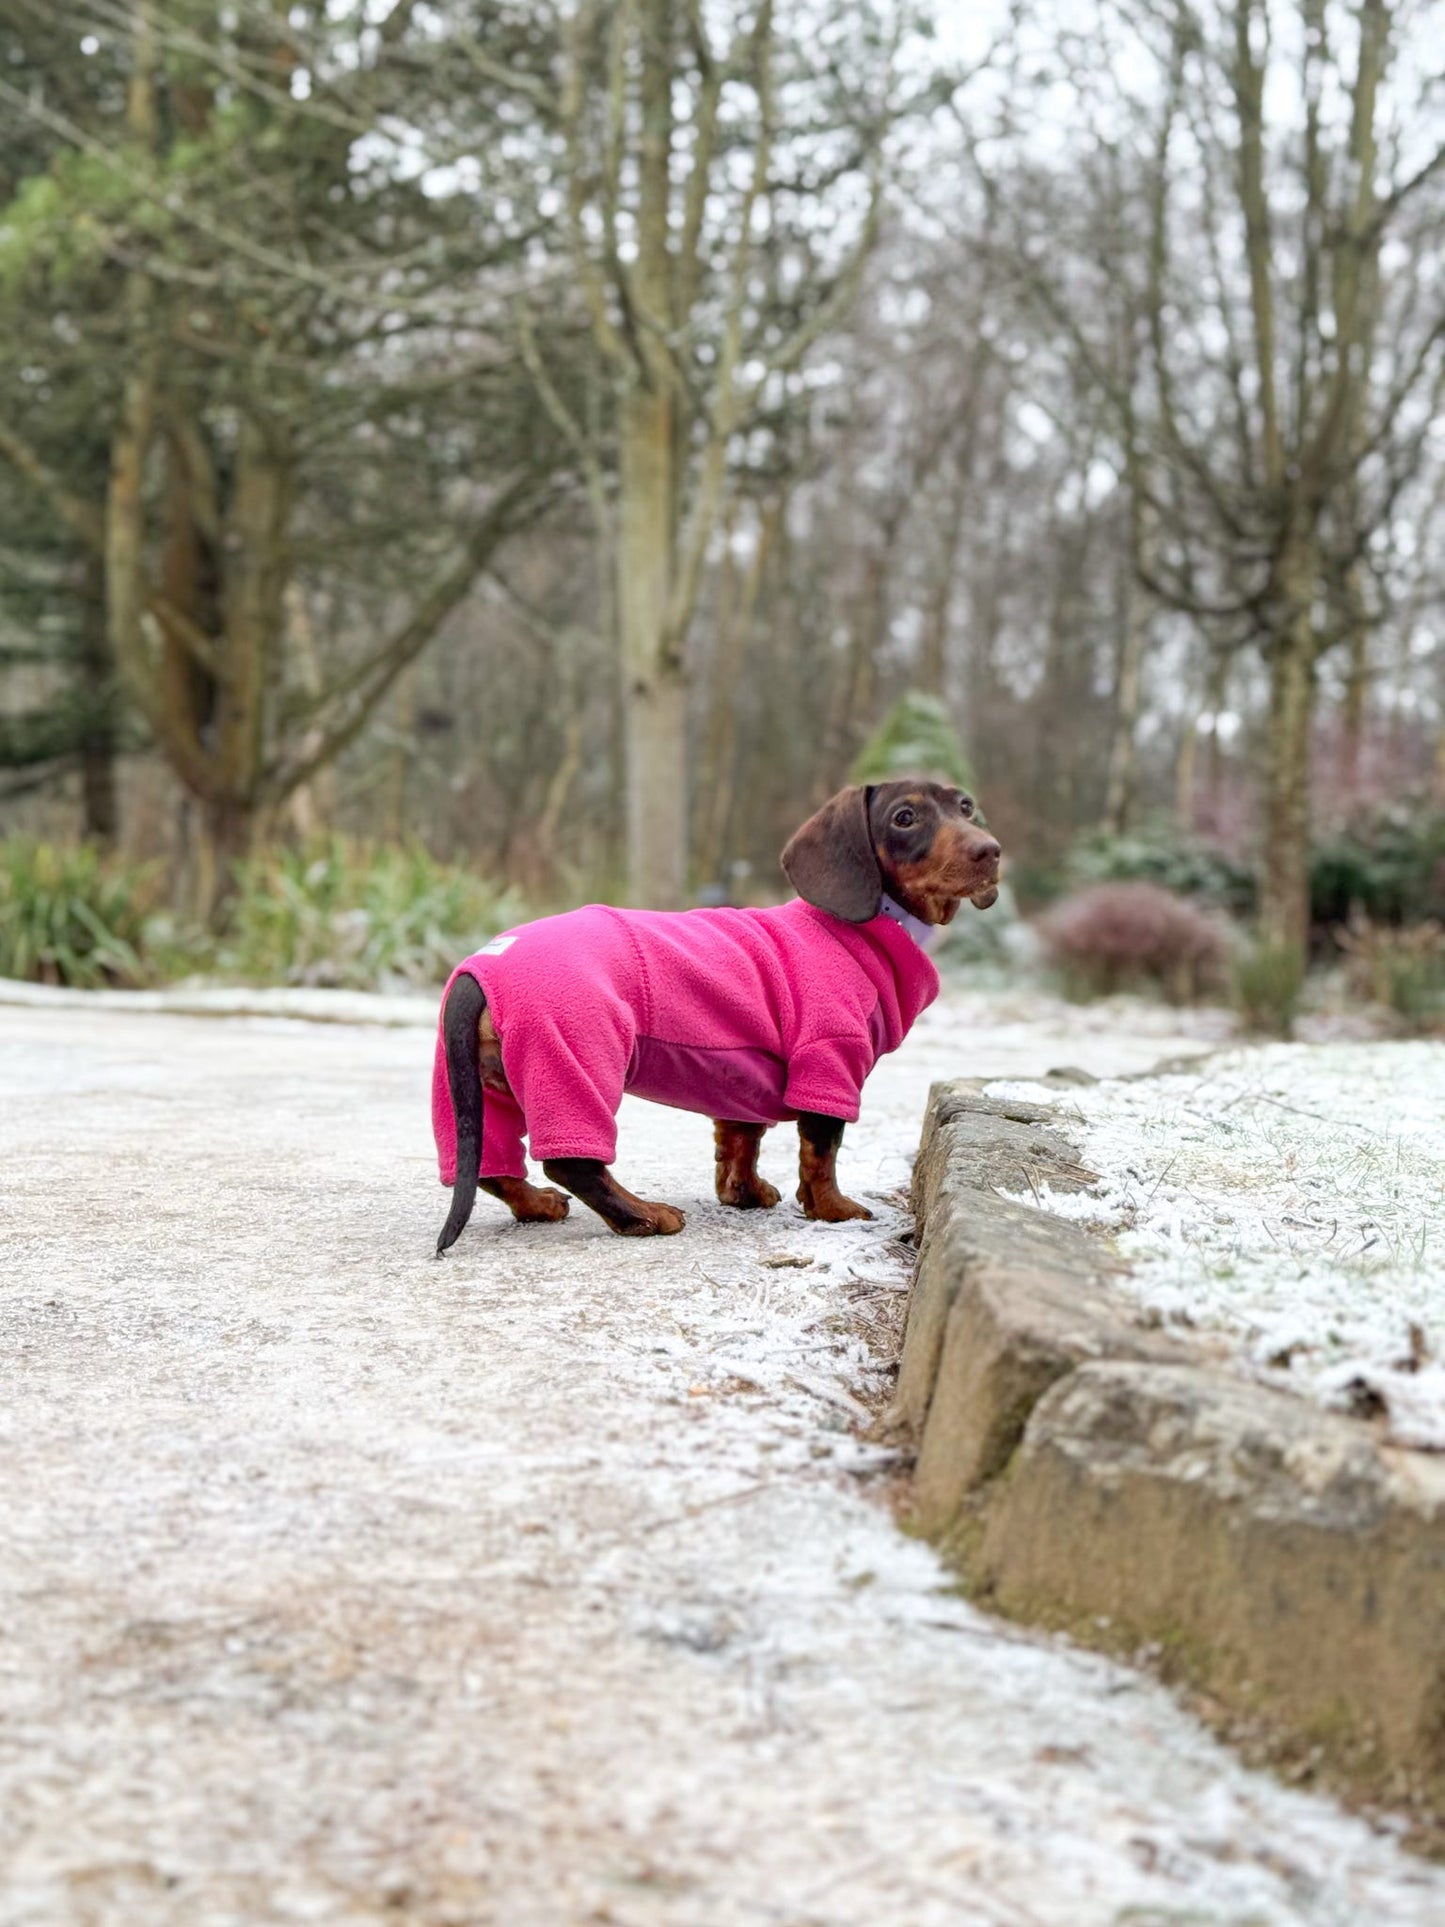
(925, 935)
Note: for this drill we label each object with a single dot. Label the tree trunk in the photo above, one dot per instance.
(654, 686)
(226, 832)
(1214, 763)
(124, 553)
(1357, 681)
(99, 800)
(1186, 770)
(853, 699)
(932, 674)
(559, 788)
(656, 793)
(403, 753)
(654, 675)
(1056, 780)
(185, 690)
(717, 705)
(1284, 882)
(311, 806)
(1119, 793)
(869, 636)
(253, 592)
(735, 621)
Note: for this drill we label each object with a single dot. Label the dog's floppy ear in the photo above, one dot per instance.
(830, 861)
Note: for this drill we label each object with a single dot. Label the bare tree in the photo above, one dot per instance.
(699, 173)
(1291, 355)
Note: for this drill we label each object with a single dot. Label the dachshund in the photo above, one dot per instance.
(751, 1017)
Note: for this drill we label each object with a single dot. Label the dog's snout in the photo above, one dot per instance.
(986, 850)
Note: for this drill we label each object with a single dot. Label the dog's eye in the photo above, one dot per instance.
(905, 818)
(965, 804)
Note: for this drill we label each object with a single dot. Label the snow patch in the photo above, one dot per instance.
(1289, 1197)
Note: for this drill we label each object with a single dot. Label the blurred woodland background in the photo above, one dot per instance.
(458, 457)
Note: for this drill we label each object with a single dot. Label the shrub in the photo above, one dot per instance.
(336, 913)
(1389, 868)
(68, 915)
(1268, 984)
(1158, 853)
(1402, 969)
(1115, 936)
(344, 914)
(915, 738)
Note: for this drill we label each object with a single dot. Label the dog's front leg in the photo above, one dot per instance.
(590, 1180)
(818, 1193)
(736, 1148)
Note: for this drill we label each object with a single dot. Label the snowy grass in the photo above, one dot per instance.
(1289, 1197)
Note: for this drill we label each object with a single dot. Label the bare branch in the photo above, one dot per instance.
(581, 35)
(82, 518)
(201, 648)
(1247, 81)
(357, 693)
(708, 500)
(1181, 449)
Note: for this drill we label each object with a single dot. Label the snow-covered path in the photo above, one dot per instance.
(544, 1585)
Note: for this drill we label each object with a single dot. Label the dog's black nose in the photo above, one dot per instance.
(986, 850)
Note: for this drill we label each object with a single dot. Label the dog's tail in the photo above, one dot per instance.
(464, 1006)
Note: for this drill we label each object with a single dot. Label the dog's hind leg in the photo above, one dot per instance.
(736, 1148)
(474, 1059)
(590, 1180)
(528, 1203)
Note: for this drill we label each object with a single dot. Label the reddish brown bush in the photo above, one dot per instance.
(1114, 936)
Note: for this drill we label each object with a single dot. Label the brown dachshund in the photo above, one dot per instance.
(750, 1016)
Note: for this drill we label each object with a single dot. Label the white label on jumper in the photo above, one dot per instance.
(496, 946)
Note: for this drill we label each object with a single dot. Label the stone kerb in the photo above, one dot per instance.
(1089, 1471)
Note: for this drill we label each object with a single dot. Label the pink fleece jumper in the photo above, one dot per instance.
(747, 1014)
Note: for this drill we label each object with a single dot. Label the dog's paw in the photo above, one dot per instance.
(661, 1221)
(528, 1203)
(543, 1205)
(831, 1207)
(752, 1194)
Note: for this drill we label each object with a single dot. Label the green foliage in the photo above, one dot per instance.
(70, 916)
(1388, 869)
(1402, 969)
(915, 738)
(1158, 853)
(1268, 984)
(53, 226)
(349, 914)
(337, 913)
(238, 253)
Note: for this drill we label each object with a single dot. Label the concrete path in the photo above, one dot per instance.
(547, 1584)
